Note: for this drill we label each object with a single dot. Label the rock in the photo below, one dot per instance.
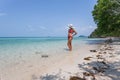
(109, 41)
(44, 56)
(38, 52)
(76, 78)
(93, 50)
(88, 74)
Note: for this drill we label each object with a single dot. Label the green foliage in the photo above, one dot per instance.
(106, 15)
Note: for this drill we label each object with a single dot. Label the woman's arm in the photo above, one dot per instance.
(74, 32)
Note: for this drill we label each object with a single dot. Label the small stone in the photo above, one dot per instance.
(44, 56)
(93, 50)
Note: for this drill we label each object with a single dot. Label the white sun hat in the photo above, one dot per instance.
(70, 25)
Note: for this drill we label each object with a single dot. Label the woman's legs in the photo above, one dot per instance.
(70, 44)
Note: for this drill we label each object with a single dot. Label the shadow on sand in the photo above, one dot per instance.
(102, 69)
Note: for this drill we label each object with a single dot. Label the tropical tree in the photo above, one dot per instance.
(106, 15)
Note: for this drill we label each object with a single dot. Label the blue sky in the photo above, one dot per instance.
(45, 17)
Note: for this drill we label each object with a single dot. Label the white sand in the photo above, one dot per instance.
(34, 67)
(64, 65)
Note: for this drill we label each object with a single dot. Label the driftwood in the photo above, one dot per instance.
(87, 58)
(76, 78)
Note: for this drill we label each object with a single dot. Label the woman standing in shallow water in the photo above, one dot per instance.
(71, 33)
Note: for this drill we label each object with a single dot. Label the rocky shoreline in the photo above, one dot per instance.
(103, 64)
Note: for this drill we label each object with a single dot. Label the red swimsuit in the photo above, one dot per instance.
(70, 32)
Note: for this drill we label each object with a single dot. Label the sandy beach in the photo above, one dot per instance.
(59, 39)
(89, 62)
(36, 67)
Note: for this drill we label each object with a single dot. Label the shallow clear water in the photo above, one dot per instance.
(17, 49)
(45, 45)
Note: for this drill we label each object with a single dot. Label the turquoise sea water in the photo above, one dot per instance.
(27, 45)
(18, 48)
(45, 45)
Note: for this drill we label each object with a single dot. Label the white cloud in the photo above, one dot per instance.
(32, 28)
(3, 14)
(92, 27)
(88, 28)
(85, 30)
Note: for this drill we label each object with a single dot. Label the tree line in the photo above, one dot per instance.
(106, 15)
